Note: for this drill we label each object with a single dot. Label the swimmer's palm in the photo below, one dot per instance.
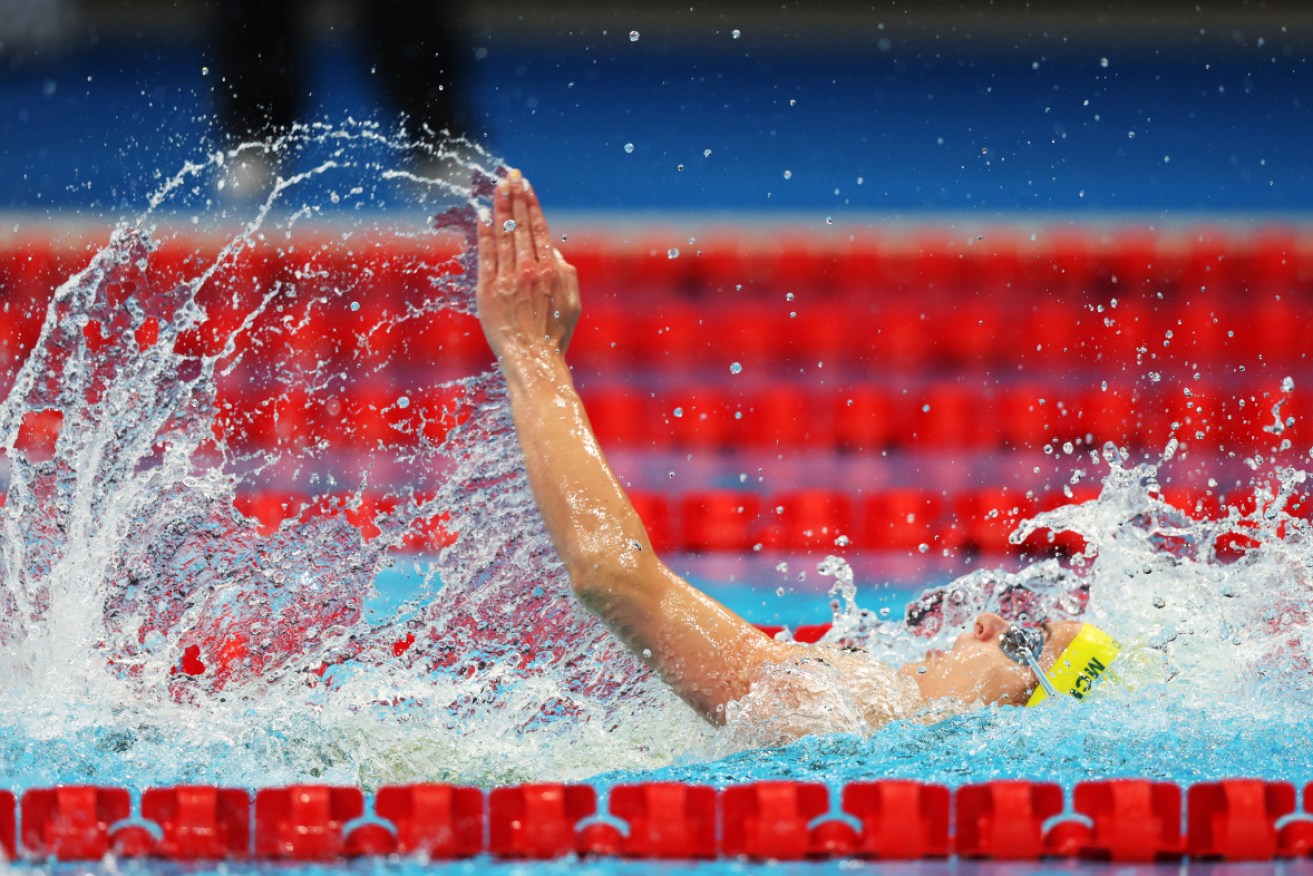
(528, 295)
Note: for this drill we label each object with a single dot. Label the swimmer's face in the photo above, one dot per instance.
(976, 670)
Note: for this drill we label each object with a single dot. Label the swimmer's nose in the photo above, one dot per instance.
(988, 626)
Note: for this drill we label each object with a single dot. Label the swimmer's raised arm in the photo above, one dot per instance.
(528, 300)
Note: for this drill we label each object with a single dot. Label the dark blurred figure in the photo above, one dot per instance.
(416, 47)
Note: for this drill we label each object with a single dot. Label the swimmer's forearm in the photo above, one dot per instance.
(597, 534)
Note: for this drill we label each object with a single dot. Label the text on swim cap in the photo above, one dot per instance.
(1090, 674)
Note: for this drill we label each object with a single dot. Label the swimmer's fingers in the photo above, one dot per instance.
(542, 238)
(524, 257)
(501, 217)
(570, 278)
(487, 253)
(568, 306)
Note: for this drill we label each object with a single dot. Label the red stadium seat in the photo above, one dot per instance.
(865, 419)
(1026, 414)
(1109, 415)
(1121, 332)
(676, 337)
(786, 416)
(972, 334)
(623, 417)
(606, 339)
(902, 519)
(720, 520)
(451, 340)
(948, 415)
(812, 519)
(987, 517)
(821, 332)
(899, 339)
(1053, 331)
(654, 510)
(704, 418)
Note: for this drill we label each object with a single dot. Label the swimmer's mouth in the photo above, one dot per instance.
(933, 653)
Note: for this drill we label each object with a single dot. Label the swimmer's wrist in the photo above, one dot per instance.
(534, 365)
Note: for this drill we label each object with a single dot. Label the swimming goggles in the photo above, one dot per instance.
(1080, 665)
(1024, 645)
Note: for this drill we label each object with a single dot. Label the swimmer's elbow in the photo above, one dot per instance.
(600, 580)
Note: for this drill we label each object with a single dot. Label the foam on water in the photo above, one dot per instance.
(153, 634)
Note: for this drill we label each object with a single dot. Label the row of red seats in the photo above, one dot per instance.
(908, 332)
(1122, 820)
(899, 519)
(887, 330)
(934, 416)
(803, 520)
(1274, 261)
(764, 339)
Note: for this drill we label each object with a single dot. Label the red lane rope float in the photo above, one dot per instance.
(1118, 821)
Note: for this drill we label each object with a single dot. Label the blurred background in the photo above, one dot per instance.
(875, 278)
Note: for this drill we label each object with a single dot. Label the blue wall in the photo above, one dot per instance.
(924, 126)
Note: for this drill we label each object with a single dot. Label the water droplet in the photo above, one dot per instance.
(403, 402)
(1288, 384)
(706, 153)
(788, 296)
(736, 33)
(829, 220)
(672, 253)
(205, 71)
(355, 305)
(792, 102)
(679, 412)
(509, 225)
(779, 591)
(679, 167)
(1103, 62)
(788, 174)
(633, 36)
(629, 148)
(735, 368)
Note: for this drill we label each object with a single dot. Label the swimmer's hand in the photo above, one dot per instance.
(528, 295)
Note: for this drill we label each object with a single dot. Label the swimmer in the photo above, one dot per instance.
(528, 304)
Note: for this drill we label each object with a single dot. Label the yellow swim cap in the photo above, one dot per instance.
(1084, 663)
